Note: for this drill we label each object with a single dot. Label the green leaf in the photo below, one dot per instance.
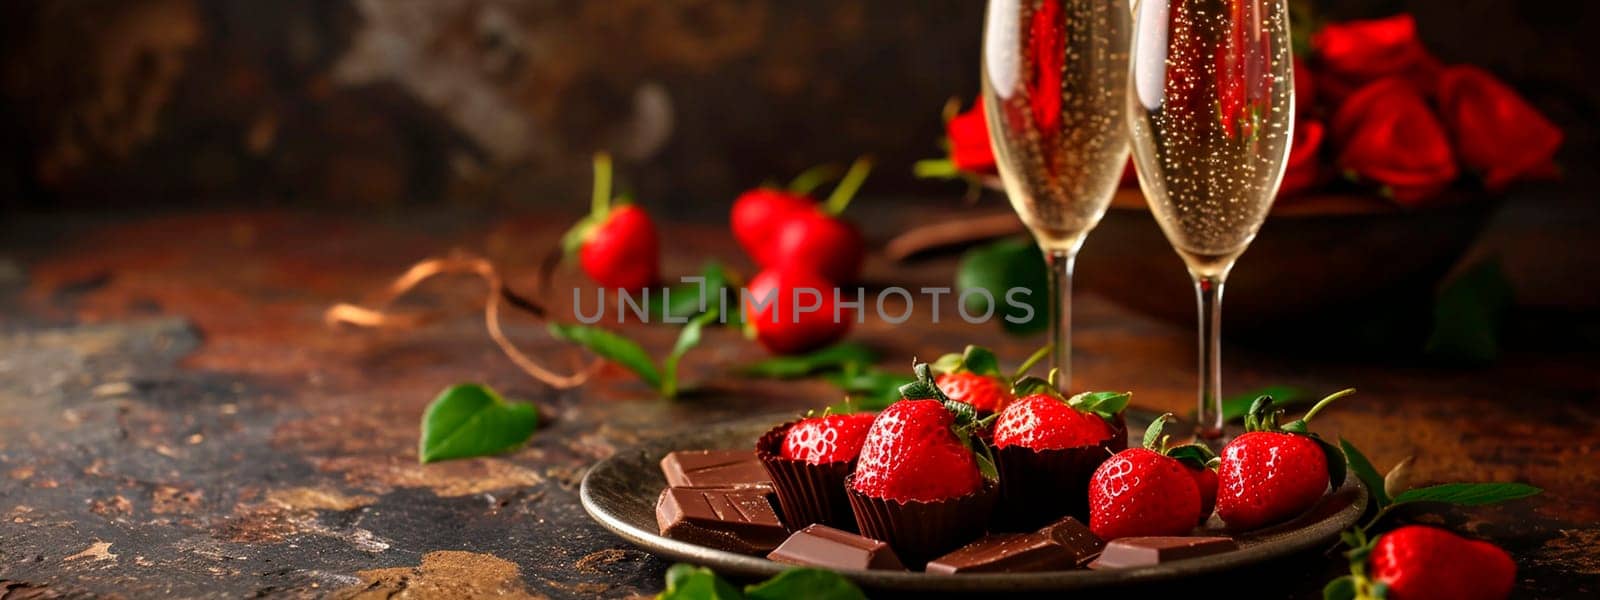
(1152, 434)
(1342, 588)
(1235, 407)
(612, 347)
(1105, 404)
(809, 179)
(935, 168)
(848, 186)
(1468, 494)
(948, 363)
(833, 357)
(999, 267)
(811, 584)
(688, 338)
(1365, 472)
(688, 582)
(980, 360)
(869, 389)
(1194, 456)
(472, 420)
(1467, 315)
(1335, 459)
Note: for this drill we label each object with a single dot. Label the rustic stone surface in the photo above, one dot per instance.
(179, 421)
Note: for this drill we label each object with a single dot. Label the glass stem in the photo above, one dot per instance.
(1208, 421)
(1061, 315)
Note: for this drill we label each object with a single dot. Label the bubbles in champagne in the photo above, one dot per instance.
(1055, 75)
(1211, 119)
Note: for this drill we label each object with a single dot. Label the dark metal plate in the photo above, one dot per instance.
(620, 493)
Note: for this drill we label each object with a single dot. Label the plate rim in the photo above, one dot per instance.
(734, 564)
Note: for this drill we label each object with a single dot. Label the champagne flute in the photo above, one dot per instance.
(1054, 79)
(1211, 111)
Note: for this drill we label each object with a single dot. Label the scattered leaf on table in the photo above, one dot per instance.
(1365, 472)
(834, 357)
(688, 582)
(688, 338)
(1468, 494)
(612, 347)
(811, 584)
(472, 420)
(1000, 267)
(1467, 315)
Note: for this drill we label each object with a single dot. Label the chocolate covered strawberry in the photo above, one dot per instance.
(792, 311)
(923, 483)
(827, 439)
(1143, 492)
(1417, 562)
(616, 244)
(1272, 473)
(1046, 449)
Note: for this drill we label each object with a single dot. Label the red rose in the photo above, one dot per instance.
(1496, 132)
(1305, 170)
(1355, 53)
(969, 141)
(1387, 134)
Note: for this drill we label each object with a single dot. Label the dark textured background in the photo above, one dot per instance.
(119, 103)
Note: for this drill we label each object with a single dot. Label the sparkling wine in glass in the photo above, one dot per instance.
(1054, 90)
(1211, 111)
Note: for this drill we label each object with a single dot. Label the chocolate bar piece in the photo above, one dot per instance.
(732, 469)
(734, 520)
(1064, 544)
(1146, 551)
(823, 546)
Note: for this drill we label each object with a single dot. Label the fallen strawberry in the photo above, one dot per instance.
(817, 239)
(1143, 491)
(1418, 562)
(1273, 473)
(616, 244)
(758, 213)
(779, 311)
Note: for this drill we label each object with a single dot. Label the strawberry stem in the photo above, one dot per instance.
(846, 190)
(809, 179)
(1033, 359)
(1324, 402)
(600, 202)
(1152, 434)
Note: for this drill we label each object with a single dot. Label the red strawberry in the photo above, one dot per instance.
(757, 215)
(1044, 421)
(1205, 479)
(1274, 473)
(1143, 492)
(986, 393)
(920, 448)
(617, 245)
(774, 317)
(820, 242)
(816, 239)
(974, 377)
(1417, 562)
(827, 439)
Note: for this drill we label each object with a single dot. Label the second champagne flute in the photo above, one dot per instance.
(1054, 90)
(1211, 110)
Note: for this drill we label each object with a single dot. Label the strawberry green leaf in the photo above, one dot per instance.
(1152, 434)
(1236, 407)
(1468, 494)
(980, 360)
(472, 420)
(847, 188)
(1364, 471)
(948, 363)
(688, 582)
(688, 338)
(836, 357)
(1000, 267)
(814, 584)
(1342, 588)
(1194, 456)
(1104, 404)
(612, 347)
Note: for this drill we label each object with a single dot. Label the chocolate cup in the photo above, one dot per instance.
(922, 531)
(1039, 486)
(807, 493)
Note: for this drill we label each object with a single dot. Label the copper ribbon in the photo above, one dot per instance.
(461, 263)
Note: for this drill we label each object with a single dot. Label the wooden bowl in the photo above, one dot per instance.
(1317, 260)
